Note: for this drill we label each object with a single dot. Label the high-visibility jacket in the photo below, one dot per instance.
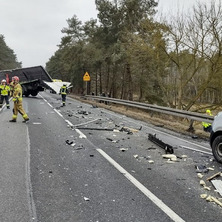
(4, 90)
(204, 124)
(17, 93)
(63, 90)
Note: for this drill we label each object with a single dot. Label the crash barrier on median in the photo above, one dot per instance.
(161, 109)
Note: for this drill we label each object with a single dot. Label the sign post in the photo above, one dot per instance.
(86, 78)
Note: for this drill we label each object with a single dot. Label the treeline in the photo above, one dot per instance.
(131, 54)
(8, 59)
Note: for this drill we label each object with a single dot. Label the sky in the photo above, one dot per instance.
(32, 28)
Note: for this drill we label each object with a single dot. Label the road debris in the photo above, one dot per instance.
(213, 199)
(150, 161)
(86, 199)
(123, 149)
(124, 129)
(207, 188)
(202, 183)
(116, 131)
(215, 175)
(168, 148)
(201, 169)
(69, 142)
(203, 196)
(136, 156)
(184, 156)
(210, 168)
(218, 185)
(113, 141)
(151, 148)
(171, 157)
(82, 112)
(199, 175)
(99, 129)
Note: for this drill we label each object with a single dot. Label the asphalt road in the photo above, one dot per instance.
(67, 164)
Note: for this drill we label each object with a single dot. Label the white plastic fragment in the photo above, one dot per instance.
(209, 198)
(150, 161)
(123, 149)
(172, 157)
(210, 168)
(202, 183)
(116, 131)
(184, 156)
(207, 188)
(203, 196)
(200, 175)
(86, 199)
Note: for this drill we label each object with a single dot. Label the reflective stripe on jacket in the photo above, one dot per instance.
(63, 90)
(4, 90)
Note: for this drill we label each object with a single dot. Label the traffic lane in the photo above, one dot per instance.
(168, 136)
(15, 193)
(62, 176)
(176, 184)
(190, 189)
(187, 186)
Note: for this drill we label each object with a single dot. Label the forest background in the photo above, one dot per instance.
(131, 53)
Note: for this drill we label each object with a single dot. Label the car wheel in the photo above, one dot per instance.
(217, 148)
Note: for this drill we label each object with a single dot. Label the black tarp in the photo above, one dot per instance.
(27, 74)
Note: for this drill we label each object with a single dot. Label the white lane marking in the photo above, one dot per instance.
(81, 135)
(31, 203)
(142, 188)
(193, 149)
(69, 122)
(49, 104)
(2, 108)
(58, 113)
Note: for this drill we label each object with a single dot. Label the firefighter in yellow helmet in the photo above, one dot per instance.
(4, 92)
(207, 126)
(17, 99)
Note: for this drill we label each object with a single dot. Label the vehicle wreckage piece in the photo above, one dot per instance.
(168, 148)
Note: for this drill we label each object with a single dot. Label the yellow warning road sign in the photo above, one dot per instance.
(86, 77)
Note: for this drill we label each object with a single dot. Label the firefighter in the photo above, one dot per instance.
(17, 99)
(207, 126)
(5, 91)
(63, 91)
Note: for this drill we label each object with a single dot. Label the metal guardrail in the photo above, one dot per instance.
(161, 109)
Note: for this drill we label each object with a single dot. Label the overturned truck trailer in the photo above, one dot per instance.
(33, 79)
